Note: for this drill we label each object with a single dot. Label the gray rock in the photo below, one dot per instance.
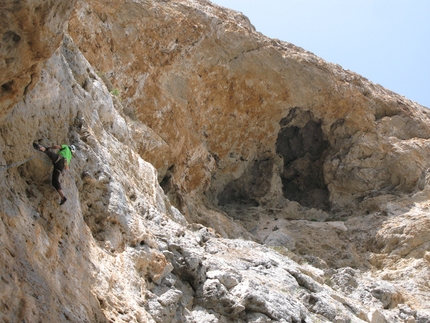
(214, 295)
(279, 238)
(377, 317)
(275, 305)
(344, 280)
(228, 279)
(423, 316)
(257, 318)
(386, 293)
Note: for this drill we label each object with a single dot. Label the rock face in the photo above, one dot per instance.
(30, 30)
(266, 119)
(221, 176)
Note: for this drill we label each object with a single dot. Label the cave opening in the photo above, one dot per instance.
(170, 189)
(247, 190)
(303, 148)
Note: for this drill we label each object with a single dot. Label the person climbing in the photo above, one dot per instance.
(61, 161)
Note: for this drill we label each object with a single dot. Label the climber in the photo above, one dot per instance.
(61, 161)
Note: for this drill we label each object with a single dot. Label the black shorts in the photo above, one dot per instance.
(58, 162)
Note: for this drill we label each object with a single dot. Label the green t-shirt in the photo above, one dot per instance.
(66, 153)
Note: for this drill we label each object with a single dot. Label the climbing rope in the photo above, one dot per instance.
(4, 167)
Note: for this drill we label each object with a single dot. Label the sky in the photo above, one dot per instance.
(386, 41)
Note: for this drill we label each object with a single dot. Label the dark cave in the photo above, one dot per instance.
(303, 150)
(245, 191)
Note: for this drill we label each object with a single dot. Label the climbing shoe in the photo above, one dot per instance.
(63, 200)
(37, 146)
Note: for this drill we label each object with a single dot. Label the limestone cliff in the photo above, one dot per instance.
(240, 103)
(221, 176)
(31, 31)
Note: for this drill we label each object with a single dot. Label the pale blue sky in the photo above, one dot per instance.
(386, 41)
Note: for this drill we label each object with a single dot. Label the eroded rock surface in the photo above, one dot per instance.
(269, 121)
(220, 176)
(30, 31)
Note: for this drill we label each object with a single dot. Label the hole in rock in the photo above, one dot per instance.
(170, 190)
(246, 191)
(7, 87)
(10, 38)
(303, 148)
(234, 195)
(166, 182)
